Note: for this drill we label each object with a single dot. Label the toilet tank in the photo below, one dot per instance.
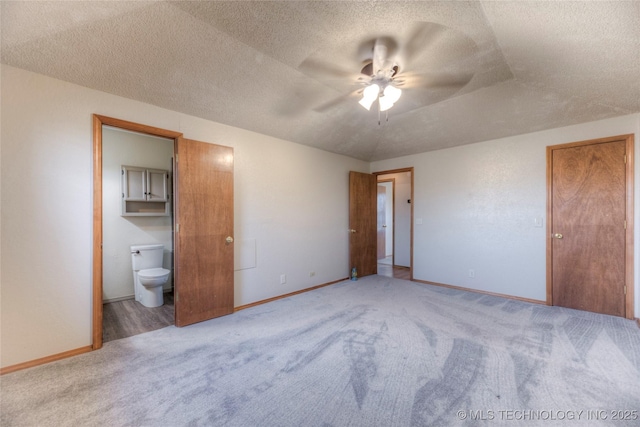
(146, 256)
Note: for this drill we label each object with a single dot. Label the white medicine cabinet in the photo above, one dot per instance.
(145, 192)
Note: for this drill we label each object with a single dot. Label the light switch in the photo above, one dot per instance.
(538, 221)
(419, 221)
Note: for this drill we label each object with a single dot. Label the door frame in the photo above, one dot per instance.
(402, 170)
(98, 122)
(629, 243)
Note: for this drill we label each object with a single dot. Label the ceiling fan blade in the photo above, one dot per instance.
(453, 82)
(352, 96)
(323, 70)
(423, 34)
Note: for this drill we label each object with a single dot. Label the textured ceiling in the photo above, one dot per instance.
(532, 65)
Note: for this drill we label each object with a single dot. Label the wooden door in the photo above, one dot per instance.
(204, 231)
(362, 223)
(588, 198)
(381, 222)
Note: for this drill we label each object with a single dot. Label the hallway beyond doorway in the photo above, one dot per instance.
(385, 268)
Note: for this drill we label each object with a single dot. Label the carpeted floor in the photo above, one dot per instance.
(376, 352)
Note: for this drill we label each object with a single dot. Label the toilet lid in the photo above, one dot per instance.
(153, 272)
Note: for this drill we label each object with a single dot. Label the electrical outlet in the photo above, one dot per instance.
(472, 273)
(283, 279)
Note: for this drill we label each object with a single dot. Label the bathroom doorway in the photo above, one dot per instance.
(134, 220)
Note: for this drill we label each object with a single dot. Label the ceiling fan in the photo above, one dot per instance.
(443, 58)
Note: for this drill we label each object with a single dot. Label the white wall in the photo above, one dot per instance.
(120, 232)
(478, 203)
(292, 199)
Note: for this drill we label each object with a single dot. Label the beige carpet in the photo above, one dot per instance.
(376, 352)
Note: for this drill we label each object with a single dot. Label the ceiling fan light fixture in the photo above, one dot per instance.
(390, 95)
(393, 93)
(385, 103)
(369, 95)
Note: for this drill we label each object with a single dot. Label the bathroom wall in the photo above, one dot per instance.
(119, 148)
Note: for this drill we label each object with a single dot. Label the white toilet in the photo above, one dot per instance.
(148, 274)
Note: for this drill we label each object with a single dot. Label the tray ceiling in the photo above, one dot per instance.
(535, 65)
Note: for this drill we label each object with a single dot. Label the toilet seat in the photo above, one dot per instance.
(153, 273)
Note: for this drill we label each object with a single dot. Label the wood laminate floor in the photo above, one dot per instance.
(123, 319)
(395, 272)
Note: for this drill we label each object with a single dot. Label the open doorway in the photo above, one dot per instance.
(384, 223)
(137, 194)
(394, 223)
(99, 123)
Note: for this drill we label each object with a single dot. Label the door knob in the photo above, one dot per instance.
(557, 236)
(351, 230)
(229, 239)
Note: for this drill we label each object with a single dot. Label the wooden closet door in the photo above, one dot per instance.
(588, 227)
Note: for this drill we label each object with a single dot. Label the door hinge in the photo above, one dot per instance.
(625, 159)
(177, 228)
(625, 224)
(177, 297)
(625, 289)
(176, 158)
